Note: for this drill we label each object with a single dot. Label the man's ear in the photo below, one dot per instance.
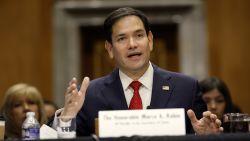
(150, 40)
(109, 48)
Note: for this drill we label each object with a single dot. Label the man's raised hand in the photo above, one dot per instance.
(74, 99)
(208, 124)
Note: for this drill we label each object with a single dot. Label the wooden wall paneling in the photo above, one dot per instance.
(229, 34)
(26, 49)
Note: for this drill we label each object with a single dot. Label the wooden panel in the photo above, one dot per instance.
(229, 35)
(26, 50)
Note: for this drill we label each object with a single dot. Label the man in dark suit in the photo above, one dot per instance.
(129, 42)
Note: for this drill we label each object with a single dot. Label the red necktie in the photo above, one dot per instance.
(135, 102)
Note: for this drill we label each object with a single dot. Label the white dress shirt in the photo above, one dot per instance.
(145, 90)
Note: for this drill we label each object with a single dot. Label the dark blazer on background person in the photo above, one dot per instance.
(106, 93)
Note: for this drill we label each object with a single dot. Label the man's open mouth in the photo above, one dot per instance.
(134, 54)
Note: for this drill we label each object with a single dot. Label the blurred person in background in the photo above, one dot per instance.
(18, 100)
(216, 95)
(50, 108)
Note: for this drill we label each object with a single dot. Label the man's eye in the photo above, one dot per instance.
(121, 39)
(140, 35)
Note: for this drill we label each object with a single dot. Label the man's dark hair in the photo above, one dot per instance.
(119, 13)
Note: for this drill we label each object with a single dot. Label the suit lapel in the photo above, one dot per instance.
(162, 89)
(113, 92)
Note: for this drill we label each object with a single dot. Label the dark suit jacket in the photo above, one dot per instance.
(106, 93)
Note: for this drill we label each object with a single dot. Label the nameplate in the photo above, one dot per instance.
(153, 122)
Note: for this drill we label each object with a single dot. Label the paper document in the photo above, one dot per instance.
(47, 132)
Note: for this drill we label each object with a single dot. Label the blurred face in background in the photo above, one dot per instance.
(21, 106)
(215, 102)
(50, 110)
(18, 100)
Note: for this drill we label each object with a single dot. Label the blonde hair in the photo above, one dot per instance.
(11, 95)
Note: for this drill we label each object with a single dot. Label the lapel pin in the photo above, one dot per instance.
(165, 88)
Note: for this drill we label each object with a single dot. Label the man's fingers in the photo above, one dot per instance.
(206, 120)
(85, 84)
(71, 88)
(213, 117)
(218, 123)
(209, 118)
(74, 98)
(192, 116)
(207, 114)
(74, 92)
(73, 80)
(221, 129)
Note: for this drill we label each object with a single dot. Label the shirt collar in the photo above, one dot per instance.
(146, 79)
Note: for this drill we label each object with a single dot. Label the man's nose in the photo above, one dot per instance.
(132, 42)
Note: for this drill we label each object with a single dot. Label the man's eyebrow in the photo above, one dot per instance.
(118, 35)
(139, 30)
(122, 34)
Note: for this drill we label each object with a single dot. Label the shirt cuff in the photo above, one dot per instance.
(57, 114)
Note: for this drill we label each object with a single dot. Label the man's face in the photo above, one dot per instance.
(131, 46)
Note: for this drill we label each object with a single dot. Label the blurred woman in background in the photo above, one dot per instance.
(216, 95)
(18, 100)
